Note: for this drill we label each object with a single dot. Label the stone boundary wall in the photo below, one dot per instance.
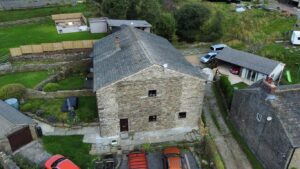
(8, 68)
(50, 79)
(24, 4)
(7, 162)
(66, 55)
(34, 94)
(23, 21)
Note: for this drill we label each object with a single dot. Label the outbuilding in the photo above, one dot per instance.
(115, 24)
(250, 66)
(98, 25)
(16, 129)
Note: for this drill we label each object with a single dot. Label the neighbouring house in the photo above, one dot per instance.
(70, 22)
(143, 83)
(250, 67)
(268, 118)
(16, 129)
(23, 4)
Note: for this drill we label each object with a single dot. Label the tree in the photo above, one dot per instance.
(133, 9)
(189, 20)
(150, 11)
(166, 26)
(116, 9)
(213, 30)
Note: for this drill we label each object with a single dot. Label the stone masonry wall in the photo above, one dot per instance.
(128, 98)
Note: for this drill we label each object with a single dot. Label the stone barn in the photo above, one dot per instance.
(144, 84)
(268, 118)
(16, 129)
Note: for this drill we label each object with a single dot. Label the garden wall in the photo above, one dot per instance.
(38, 67)
(22, 4)
(51, 47)
(34, 94)
(7, 162)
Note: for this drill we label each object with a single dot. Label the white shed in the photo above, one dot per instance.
(295, 39)
(98, 25)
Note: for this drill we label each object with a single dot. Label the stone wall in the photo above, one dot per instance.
(39, 67)
(34, 94)
(59, 56)
(7, 162)
(266, 139)
(128, 98)
(22, 4)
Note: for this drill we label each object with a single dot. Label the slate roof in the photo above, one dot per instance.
(139, 50)
(247, 60)
(10, 118)
(134, 23)
(288, 106)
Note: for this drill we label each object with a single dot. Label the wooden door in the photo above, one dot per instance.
(19, 138)
(123, 125)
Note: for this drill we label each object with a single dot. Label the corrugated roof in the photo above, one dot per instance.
(134, 23)
(247, 60)
(139, 50)
(10, 118)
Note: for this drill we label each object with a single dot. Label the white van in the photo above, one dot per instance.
(295, 39)
(218, 47)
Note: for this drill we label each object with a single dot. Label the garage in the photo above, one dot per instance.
(19, 138)
(16, 129)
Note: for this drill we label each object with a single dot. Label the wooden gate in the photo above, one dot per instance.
(20, 138)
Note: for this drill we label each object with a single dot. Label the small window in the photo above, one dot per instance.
(298, 38)
(152, 118)
(152, 93)
(182, 115)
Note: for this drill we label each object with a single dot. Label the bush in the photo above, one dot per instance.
(51, 87)
(28, 107)
(227, 89)
(12, 91)
(213, 30)
(166, 26)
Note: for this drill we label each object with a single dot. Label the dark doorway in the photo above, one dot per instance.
(20, 138)
(123, 125)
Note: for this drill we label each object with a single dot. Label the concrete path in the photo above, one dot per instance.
(34, 152)
(232, 154)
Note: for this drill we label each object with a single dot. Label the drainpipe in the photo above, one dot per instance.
(290, 159)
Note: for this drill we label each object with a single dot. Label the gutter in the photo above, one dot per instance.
(290, 159)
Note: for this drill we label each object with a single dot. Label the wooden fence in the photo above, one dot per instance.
(51, 47)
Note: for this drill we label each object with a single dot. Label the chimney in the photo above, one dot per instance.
(269, 85)
(117, 43)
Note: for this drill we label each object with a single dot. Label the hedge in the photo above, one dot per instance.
(227, 89)
(51, 87)
(12, 91)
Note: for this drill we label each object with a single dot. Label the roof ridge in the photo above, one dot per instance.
(141, 44)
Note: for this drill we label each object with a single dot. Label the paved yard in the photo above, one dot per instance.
(155, 161)
(34, 152)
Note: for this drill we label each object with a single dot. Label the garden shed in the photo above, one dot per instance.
(16, 129)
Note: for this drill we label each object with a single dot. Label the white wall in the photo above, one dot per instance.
(276, 72)
(98, 27)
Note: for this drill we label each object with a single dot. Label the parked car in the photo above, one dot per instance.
(60, 162)
(208, 58)
(218, 47)
(137, 160)
(235, 70)
(172, 158)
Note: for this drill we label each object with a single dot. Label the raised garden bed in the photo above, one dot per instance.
(28, 79)
(50, 109)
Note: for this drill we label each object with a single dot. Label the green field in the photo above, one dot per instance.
(87, 111)
(71, 147)
(28, 79)
(12, 15)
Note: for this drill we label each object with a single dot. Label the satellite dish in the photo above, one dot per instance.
(269, 118)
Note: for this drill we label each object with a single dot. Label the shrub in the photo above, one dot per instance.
(12, 91)
(27, 107)
(166, 26)
(227, 89)
(51, 87)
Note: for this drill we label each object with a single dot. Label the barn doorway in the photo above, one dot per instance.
(123, 125)
(19, 138)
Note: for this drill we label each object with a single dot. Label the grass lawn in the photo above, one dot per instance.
(28, 79)
(72, 83)
(240, 85)
(13, 15)
(87, 111)
(37, 33)
(71, 147)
